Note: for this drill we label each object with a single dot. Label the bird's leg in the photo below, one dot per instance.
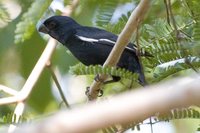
(100, 91)
(98, 79)
(114, 79)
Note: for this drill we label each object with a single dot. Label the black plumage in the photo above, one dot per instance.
(90, 45)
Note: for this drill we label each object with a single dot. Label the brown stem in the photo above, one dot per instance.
(123, 39)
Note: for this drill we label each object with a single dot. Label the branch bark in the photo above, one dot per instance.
(8, 90)
(19, 109)
(33, 77)
(131, 106)
(123, 39)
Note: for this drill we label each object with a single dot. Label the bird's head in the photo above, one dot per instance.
(59, 27)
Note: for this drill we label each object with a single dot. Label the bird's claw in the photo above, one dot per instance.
(100, 92)
(87, 91)
(98, 79)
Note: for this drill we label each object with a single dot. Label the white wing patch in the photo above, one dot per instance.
(87, 39)
(107, 40)
(104, 40)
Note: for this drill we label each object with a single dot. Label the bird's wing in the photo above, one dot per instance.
(90, 34)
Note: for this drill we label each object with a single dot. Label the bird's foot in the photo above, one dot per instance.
(100, 93)
(87, 92)
(98, 79)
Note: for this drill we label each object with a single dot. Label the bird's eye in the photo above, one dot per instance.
(52, 25)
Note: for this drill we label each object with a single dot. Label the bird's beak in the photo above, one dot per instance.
(42, 28)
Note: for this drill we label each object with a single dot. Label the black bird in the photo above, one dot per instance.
(90, 45)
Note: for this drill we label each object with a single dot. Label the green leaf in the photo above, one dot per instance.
(81, 69)
(169, 68)
(27, 25)
(179, 114)
(105, 12)
(4, 15)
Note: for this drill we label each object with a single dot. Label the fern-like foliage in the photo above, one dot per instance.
(26, 27)
(10, 118)
(67, 2)
(117, 27)
(81, 69)
(169, 53)
(7, 119)
(163, 44)
(105, 15)
(184, 113)
(195, 11)
(4, 15)
(169, 68)
(160, 39)
(105, 12)
(112, 129)
(160, 42)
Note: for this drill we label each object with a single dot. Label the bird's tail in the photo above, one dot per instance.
(136, 67)
(142, 79)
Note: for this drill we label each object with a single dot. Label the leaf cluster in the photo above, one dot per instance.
(81, 69)
(26, 26)
(4, 15)
(11, 118)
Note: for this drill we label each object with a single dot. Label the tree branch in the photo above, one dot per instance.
(49, 66)
(131, 106)
(19, 109)
(39, 67)
(33, 77)
(8, 90)
(123, 39)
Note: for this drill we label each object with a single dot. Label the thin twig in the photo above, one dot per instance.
(138, 52)
(8, 90)
(33, 77)
(123, 39)
(173, 19)
(167, 11)
(57, 84)
(151, 124)
(19, 109)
